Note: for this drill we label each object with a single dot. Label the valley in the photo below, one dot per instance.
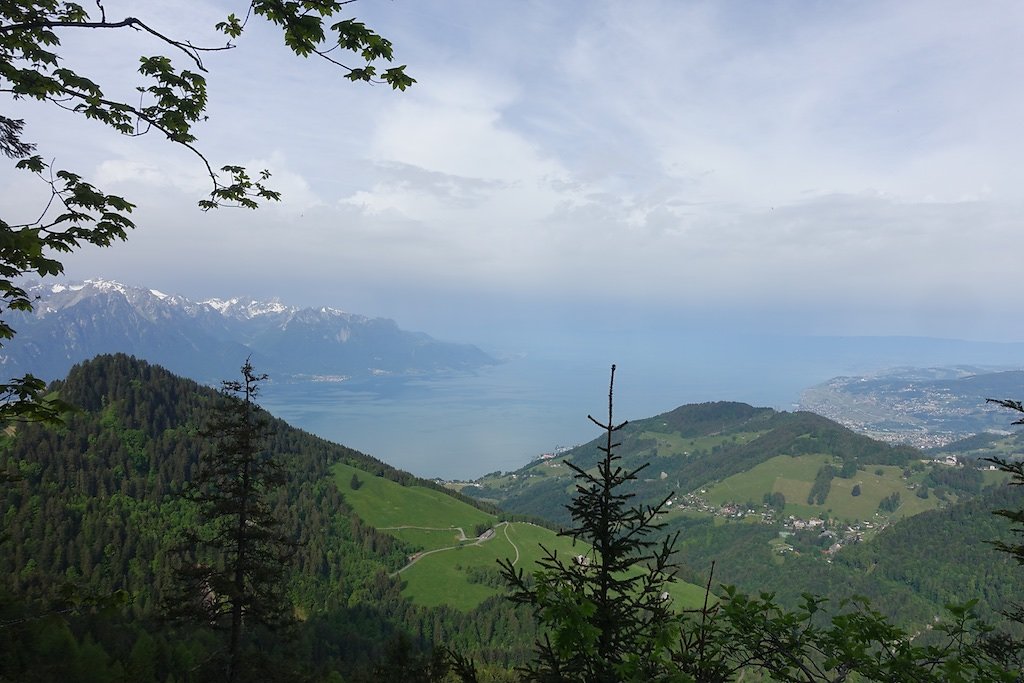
(791, 501)
(456, 547)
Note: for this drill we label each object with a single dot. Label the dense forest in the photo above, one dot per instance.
(92, 510)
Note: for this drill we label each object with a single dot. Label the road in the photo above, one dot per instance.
(483, 538)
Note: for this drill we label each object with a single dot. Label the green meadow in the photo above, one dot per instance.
(794, 476)
(791, 476)
(465, 576)
(453, 577)
(383, 503)
(669, 444)
(995, 477)
(450, 571)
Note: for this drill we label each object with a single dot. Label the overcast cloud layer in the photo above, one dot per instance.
(824, 168)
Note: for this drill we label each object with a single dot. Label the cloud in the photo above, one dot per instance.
(823, 161)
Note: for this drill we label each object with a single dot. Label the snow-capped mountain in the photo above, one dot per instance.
(207, 339)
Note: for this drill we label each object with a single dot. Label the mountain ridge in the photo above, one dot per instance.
(73, 322)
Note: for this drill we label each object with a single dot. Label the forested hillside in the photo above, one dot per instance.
(689, 447)
(724, 466)
(910, 571)
(92, 509)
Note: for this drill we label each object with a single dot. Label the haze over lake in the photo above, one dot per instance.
(462, 426)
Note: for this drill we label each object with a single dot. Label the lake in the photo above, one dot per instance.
(462, 426)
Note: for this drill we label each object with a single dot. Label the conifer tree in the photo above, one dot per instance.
(606, 612)
(235, 560)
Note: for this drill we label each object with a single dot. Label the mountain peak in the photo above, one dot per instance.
(204, 339)
(248, 308)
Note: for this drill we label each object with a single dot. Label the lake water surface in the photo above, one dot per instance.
(462, 426)
(499, 418)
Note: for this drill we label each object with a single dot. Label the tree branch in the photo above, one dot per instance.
(192, 51)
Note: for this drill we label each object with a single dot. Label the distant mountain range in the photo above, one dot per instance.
(925, 407)
(207, 340)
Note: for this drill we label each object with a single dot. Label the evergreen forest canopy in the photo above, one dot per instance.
(94, 512)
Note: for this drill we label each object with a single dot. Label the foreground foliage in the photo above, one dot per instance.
(233, 569)
(817, 642)
(603, 620)
(736, 637)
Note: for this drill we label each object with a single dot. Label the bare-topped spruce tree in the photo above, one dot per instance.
(235, 561)
(605, 612)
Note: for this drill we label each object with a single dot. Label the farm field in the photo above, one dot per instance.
(794, 477)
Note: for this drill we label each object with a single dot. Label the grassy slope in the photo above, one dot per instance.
(794, 476)
(446, 576)
(383, 503)
(668, 444)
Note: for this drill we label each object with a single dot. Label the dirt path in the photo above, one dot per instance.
(462, 534)
(483, 538)
(515, 561)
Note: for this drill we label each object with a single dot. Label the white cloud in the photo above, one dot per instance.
(812, 158)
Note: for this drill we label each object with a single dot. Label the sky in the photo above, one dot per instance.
(574, 171)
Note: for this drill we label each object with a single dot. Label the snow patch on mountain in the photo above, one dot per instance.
(73, 321)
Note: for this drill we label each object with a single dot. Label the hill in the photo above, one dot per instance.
(794, 503)
(688, 448)
(456, 546)
(981, 446)
(91, 509)
(910, 570)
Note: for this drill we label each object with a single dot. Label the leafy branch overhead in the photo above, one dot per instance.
(174, 99)
(170, 101)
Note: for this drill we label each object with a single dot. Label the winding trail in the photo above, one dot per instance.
(514, 546)
(481, 539)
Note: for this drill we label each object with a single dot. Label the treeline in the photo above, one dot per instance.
(822, 485)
